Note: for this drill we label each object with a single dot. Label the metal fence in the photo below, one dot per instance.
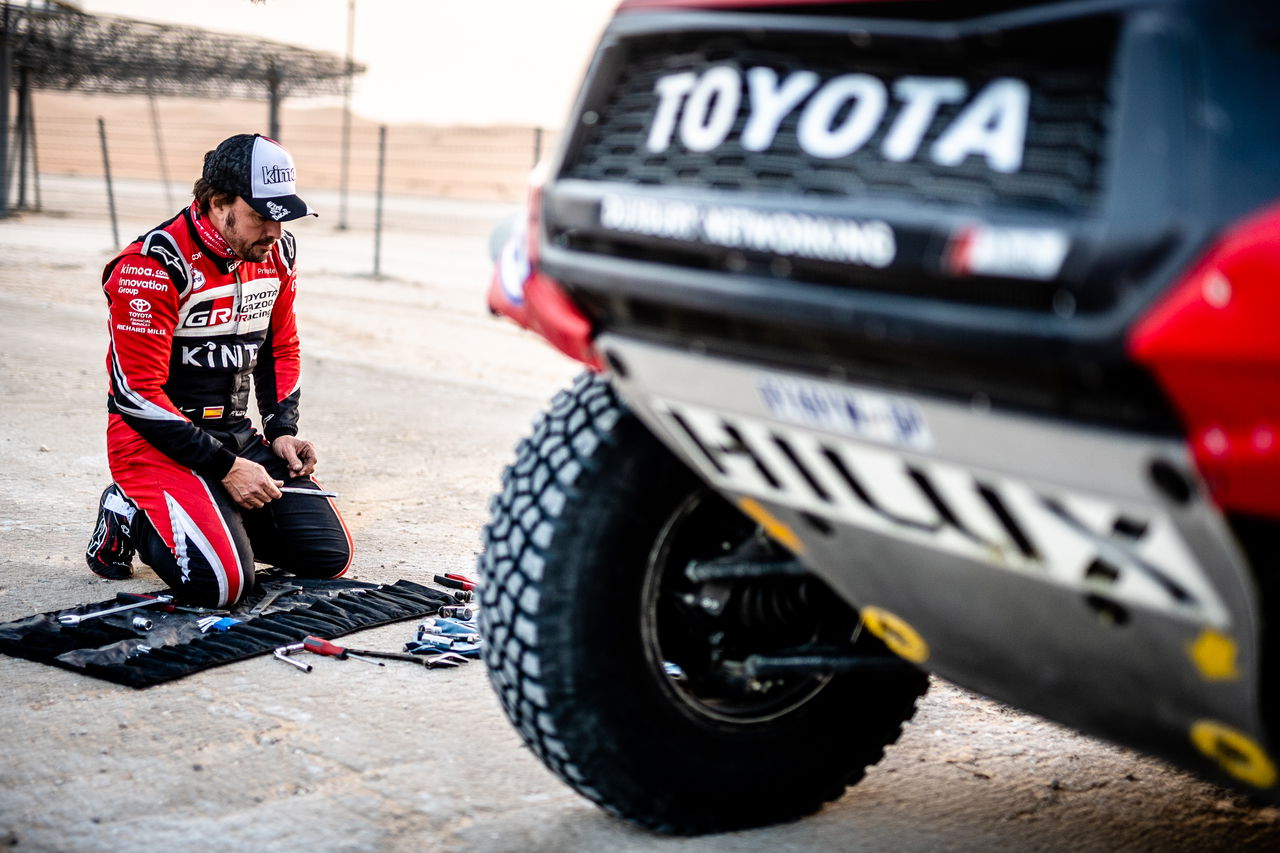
(159, 145)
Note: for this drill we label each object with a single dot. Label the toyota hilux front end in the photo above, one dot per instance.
(928, 337)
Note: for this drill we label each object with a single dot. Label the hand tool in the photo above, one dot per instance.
(269, 598)
(320, 646)
(450, 623)
(446, 659)
(450, 627)
(142, 623)
(456, 611)
(216, 623)
(316, 493)
(283, 652)
(427, 643)
(75, 619)
(429, 661)
(130, 597)
(453, 580)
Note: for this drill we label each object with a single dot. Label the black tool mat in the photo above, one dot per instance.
(111, 648)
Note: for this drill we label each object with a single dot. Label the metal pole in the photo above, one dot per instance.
(164, 163)
(273, 90)
(537, 145)
(346, 117)
(6, 60)
(377, 211)
(35, 160)
(24, 100)
(106, 168)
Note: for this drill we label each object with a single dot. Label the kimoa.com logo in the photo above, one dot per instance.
(278, 174)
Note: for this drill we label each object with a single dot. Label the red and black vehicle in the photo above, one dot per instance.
(923, 337)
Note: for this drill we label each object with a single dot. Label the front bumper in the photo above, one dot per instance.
(1074, 571)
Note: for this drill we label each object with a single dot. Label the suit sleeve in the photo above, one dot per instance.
(277, 374)
(142, 322)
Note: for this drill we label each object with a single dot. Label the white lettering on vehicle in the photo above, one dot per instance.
(1035, 253)
(1089, 543)
(870, 243)
(841, 115)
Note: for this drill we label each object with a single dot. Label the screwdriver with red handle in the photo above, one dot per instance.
(324, 647)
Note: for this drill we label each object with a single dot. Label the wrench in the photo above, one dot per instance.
(269, 598)
(282, 653)
(75, 619)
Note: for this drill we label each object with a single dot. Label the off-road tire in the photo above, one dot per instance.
(562, 573)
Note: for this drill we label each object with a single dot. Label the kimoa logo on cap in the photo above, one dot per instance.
(278, 174)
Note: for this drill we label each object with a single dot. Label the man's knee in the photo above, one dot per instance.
(329, 558)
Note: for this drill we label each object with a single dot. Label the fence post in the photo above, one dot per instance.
(346, 116)
(274, 78)
(106, 168)
(377, 210)
(164, 162)
(23, 133)
(35, 160)
(5, 67)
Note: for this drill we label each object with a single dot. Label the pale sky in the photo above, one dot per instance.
(430, 61)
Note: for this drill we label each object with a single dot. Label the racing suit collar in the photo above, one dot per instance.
(215, 246)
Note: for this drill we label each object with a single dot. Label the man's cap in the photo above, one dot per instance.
(261, 172)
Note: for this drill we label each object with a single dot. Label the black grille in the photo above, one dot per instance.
(1066, 68)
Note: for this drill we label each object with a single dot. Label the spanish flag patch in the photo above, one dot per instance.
(211, 412)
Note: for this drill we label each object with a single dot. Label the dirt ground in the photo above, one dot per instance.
(416, 398)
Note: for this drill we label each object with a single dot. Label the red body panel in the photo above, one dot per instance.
(1214, 344)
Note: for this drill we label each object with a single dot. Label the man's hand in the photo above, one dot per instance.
(298, 454)
(250, 485)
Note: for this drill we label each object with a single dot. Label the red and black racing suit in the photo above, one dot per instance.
(189, 325)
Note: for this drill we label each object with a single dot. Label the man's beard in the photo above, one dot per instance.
(255, 252)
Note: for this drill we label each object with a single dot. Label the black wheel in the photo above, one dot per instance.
(630, 680)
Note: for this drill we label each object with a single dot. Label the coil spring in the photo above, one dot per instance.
(784, 606)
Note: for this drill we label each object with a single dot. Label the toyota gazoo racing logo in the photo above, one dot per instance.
(841, 115)
(213, 313)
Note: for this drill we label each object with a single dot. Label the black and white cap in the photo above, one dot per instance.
(261, 172)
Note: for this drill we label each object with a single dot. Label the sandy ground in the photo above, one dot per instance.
(416, 398)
